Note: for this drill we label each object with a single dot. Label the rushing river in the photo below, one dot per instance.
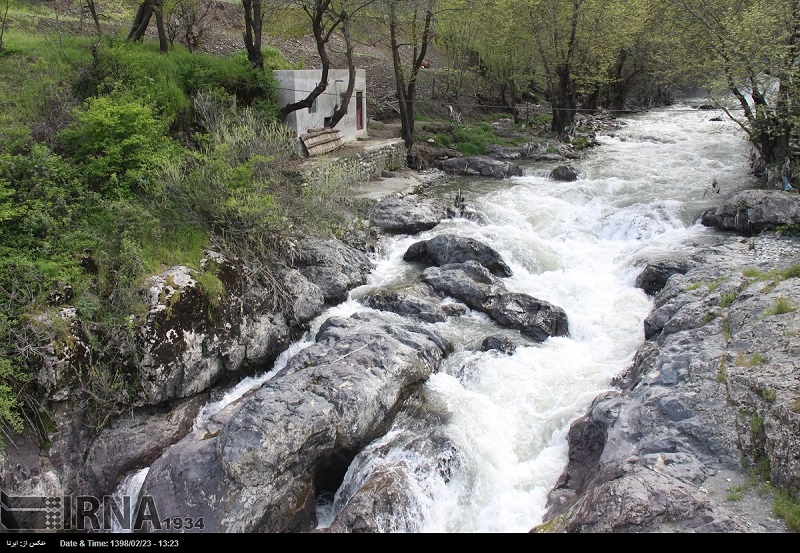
(578, 245)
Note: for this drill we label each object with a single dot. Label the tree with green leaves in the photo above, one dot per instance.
(750, 50)
(576, 42)
(5, 6)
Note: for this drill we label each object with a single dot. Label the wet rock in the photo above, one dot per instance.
(498, 343)
(259, 471)
(406, 216)
(564, 173)
(449, 248)
(707, 399)
(387, 498)
(407, 304)
(752, 211)
(655, 275)
(190, 340)
(481, 166)
(474, 285)
(333, 266)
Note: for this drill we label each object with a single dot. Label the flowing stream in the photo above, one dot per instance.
(577, 245)
(503, 419)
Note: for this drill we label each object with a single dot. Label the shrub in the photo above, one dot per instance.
(115, 141)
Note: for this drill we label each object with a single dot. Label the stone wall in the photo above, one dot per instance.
(355, 167)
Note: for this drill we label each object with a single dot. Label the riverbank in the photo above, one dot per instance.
(700, 434)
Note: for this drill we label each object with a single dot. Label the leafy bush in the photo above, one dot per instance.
(115, 140)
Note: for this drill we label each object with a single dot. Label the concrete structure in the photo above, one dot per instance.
(295, 85)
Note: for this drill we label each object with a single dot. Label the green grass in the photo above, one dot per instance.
(472, 139)
(726, 328)
(767, 394)
(781, 307)
(753, 360)
(787, 507)
(35, 78)
(722, 371)
(727, 299)
(711, 285)
(736, 493)
(708, 317)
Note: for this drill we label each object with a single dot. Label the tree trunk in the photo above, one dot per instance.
(253, 24)
(158, 9)
(141, 21)
(565, 104)
(321, 36)
(351, 74)
(90, 5)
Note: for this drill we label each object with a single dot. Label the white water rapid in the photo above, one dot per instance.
(579, 246)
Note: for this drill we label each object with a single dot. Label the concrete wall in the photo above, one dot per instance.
(295, 85)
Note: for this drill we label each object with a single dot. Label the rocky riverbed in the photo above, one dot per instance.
(705, 424)
(711, 401)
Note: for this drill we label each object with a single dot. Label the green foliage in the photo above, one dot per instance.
(712, 286)
(211, 284)
(788, 230)
(115, 140)
(722, 371)
(471, 139)
(782, 306)
(708, 317)
(727, 299)
(787, 507)
(767, 394)
(726, 328)
(168, 83)
(736, 493)
(12, 377)
(756, 426)
(228, 184)
(543, 119)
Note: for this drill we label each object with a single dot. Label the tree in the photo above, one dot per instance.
(146, 10)
(411, 26)
(92, 8)
(187, 18)
(253, 25)
(5, 5)
(326, 17)
(753, 47)
(576, 43)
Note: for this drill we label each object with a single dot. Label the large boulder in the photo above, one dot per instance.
(404, 216)
(655, 275)
(409, 303)
(752, 211)
(333, 266)
(564, 173)
(481, 166)
(192, 337)
(474, 285)
(450, 248)
(261, 468)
